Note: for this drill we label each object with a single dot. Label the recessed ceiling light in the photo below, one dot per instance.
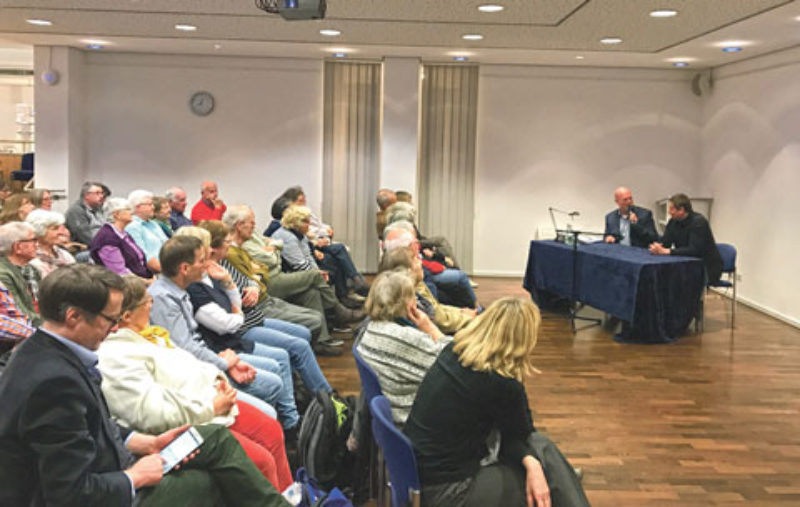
(340, 55)
(185, 28)
(217, 46)
(681, 64)
(663, 13)
(490, 8)
(39, 22)
(472, 36)
(610, 40)
(733, 43)
(94, 46)
(330, 32)
(580, 57)
(732, 49)
(460, 58)
(96, 41)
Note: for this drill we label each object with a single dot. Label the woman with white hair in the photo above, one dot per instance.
(47, 229)
(400, 341)
(473, 393)
(144, 230)
(114, 248)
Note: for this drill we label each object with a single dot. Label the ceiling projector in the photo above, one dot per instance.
(292, 10)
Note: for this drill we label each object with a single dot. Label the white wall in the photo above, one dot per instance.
(751, 166)
(264, 135)
(13, 90)
(567, 138)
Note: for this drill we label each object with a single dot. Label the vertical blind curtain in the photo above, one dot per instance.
(351, 156)
(447, 156)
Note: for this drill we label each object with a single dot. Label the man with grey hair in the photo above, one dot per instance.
(177, 204)
(17, 249)
(147, 234)
(385, 198)
(85, 217)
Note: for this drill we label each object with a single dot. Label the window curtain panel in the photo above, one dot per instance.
(351, 156)
(449, 105)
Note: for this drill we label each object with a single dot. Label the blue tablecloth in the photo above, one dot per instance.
(655, 295)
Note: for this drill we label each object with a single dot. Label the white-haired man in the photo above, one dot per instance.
(177, 205)
(147, 234)
(17, 249)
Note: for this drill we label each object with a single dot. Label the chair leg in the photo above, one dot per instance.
(733, 303)
(382, 481)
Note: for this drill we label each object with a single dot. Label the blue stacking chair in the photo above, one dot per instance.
(728, 254)
(398, 454)
(370, 388)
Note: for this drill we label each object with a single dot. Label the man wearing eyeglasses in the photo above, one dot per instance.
(17, 249)
(58, 443)
(85, 217)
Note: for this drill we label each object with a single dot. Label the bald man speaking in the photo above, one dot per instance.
(628, 224)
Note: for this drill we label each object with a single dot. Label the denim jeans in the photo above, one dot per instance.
(275, 387)
(295, 340)
(455, 283)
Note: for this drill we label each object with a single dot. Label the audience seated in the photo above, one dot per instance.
(177, 203)
(276, 211)
(183, 260)
(144, 230)
(151, 386)
(447, 318)
(15, 326)
(114, 248)
(161, 215)
(218, 304)
(60, 445)
(472, 391)
(17, 250)
(16, 208)
(384, 198)
(450, 286)
(85, 217)
(335, 258)
(210, 206)
(315, 298)
(47, 229)
(41, 198)
(400, 342)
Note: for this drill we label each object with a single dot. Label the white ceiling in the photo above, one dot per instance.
(551, 32)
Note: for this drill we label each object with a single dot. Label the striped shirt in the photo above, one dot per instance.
(15, 326)
(401, 356)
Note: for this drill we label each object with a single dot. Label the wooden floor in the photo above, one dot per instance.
(710, 419)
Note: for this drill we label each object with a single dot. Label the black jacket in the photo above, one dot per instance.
(55, 422)
(643, 232)
(692, 237)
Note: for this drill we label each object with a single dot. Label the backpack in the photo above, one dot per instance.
(322, 442)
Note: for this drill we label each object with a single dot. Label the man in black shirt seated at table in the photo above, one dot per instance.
(688, 233)
(629, 225)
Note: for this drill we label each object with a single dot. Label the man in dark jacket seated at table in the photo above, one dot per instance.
(689, 234)
(629, 225)
(58, 443)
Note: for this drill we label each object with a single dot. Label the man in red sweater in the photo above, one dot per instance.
(210, 206)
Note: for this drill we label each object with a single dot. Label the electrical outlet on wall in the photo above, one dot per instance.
(738, 277)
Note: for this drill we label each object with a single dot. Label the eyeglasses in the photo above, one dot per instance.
(113, 321)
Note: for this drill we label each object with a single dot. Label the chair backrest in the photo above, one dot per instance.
(369, 379)
(398, 453)
(728, 254)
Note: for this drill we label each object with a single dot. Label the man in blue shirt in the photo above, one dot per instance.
(177, 204)
(629, 225)
(147, 234)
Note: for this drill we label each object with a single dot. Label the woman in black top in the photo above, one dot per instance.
(473, 391)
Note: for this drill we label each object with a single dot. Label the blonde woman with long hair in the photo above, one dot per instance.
(473, 391)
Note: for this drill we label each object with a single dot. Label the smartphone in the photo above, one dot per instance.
(181, 447)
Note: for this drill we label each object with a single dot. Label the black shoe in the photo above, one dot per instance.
(344, 315)
(353, 304)
(325, 350)
(360, 286)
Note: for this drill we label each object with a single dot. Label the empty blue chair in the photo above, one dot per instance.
(728, 254)
(398, 453)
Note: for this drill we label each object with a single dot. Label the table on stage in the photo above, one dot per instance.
(655, 295)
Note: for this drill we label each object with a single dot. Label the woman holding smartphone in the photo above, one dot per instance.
(150, 386)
